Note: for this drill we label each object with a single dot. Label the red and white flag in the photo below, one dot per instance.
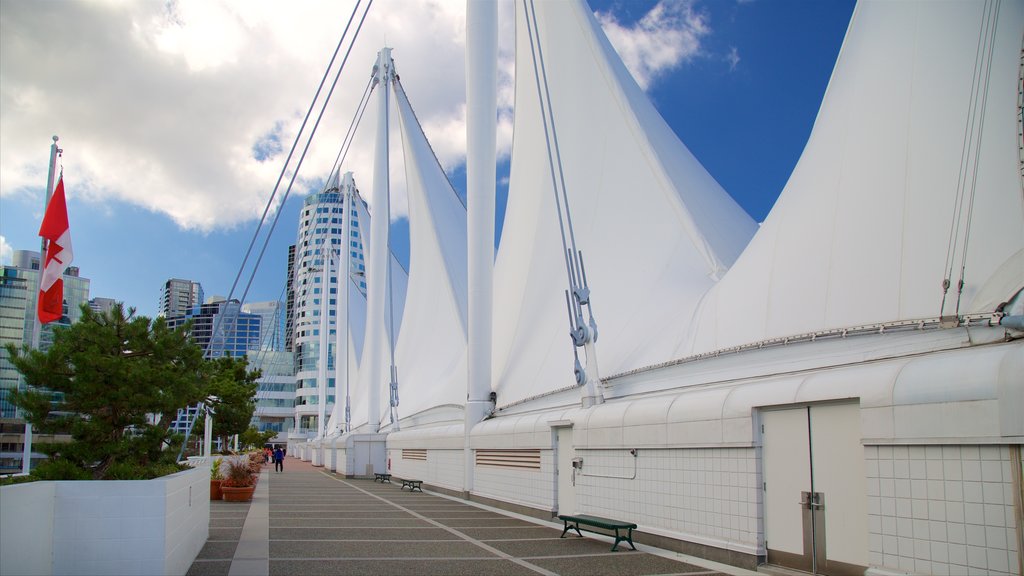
(56, 231)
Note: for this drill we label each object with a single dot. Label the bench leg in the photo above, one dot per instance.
(576, 527)
(628, 538)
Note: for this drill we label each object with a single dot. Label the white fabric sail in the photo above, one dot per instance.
(431, 349)
(360, 391)
(654, 227)
(356, 332)
(911, 169)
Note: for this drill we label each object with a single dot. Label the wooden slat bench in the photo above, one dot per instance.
(382, 478)
(413, 485)
(573, 523)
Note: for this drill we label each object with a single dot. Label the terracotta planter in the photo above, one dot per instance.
(215, 491)
(237, 494)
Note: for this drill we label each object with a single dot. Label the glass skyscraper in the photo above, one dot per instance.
(19, 286)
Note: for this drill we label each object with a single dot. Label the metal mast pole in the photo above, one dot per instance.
(379, 265)
(37, 328)
(481, 154)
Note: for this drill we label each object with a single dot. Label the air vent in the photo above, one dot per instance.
(519, 459)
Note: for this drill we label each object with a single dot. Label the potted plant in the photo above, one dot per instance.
(239, 482)
(215, 480)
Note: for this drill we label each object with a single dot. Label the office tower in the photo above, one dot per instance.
(221, 328)
(271, 314)
(321, 230)
(19, 286)
(179, 297)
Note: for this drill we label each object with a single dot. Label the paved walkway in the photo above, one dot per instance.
(308, 521)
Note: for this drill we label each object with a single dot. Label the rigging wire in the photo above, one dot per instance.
(284, 168)
(580, 331)
(302, 156)
(971, 139)
(994, 24)
(353, 126)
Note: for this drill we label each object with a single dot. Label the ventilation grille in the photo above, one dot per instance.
(414, 454)
(519, 459)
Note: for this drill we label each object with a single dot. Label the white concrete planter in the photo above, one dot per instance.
(107, 527)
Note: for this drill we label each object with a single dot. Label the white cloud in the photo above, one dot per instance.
(6, 252)
(668, 35)
(188, 108)
(170, 106)
(733, 58)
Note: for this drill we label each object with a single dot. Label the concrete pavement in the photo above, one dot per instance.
(307, 521)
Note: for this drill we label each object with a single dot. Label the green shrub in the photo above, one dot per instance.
(60, 469)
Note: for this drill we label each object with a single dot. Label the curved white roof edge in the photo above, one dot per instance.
(967, 393)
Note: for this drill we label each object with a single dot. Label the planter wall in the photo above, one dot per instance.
(137, 527)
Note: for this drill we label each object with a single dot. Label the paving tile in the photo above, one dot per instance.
(361, 534)
(209, 568)
(473, 567)
(512, 533)
(407, 522)
(225, 534)
(555, 547)
(378, 549)
(218, 550)
(619, 564)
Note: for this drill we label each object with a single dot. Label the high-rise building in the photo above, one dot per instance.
(237, 332)
(19, 286)
(321, 230)
(275, 397)
(271, 315)
(178, 297)
(289, 302)
(101, 305)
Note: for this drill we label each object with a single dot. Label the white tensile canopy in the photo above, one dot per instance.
(911, 170)
(654, 227)
(431, 349)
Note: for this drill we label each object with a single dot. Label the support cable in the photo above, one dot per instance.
(971, 139)
(994, 24)
(284, 168)
(583, 333)
(302, 157)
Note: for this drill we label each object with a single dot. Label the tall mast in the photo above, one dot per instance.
(379, 265)
(481, 133)
(37, 328)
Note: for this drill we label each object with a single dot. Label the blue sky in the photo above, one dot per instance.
(170, 183)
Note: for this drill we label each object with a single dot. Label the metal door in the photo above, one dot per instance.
(815, 492)
(564, 471)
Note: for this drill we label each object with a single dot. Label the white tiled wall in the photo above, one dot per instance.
(709, 493)
(534, 488)
(442, 467)
(941, 509)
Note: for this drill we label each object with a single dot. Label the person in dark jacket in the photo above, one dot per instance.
(278, 460)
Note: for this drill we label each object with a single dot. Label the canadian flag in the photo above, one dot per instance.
(56, 231)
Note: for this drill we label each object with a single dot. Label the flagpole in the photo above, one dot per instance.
(26, 456)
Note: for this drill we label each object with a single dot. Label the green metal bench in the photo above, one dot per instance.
(573, 522)
(382, 478)
(413, 485)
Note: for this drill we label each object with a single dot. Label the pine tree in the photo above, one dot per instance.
(119, 381)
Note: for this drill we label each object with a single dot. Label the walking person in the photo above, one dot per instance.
(278, 460)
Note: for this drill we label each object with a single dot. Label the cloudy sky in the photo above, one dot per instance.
(175, 117)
